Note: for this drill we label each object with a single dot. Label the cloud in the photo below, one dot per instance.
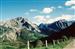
(33, 10)
(70, 3)
(47, 19)
(73, 7)
(43, 19)
(47, 10)
(66, 17)
(40, 18)
(52, 7)
(60, 7)
(43, 11)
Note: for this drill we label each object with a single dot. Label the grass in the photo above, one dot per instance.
(61, 45)
(56, 46)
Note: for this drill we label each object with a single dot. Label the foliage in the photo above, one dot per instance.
(39, 43)
(29, 35)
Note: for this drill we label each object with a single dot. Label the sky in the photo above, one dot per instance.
(38, 11)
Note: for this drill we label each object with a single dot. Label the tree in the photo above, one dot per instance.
(46, 43)
(27, 36)
(30, 36)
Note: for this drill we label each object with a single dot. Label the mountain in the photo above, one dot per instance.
(21, 22)
(19, 29)
(54, 27)
(11, 29)
(7, 33)
(26, 30)
(68, 30)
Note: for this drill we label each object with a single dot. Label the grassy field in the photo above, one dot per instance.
(61, 45)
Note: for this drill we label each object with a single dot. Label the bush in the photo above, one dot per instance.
(39, 43)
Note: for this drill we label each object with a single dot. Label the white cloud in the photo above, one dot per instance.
(33, 10)
(66, 17)
(73, 7)
(52, 7)
(59, 6)
(47, 10)
(44, 19)
(70, 3)
(44, 10)
(40, 18)
(47, 19)
(47, 16)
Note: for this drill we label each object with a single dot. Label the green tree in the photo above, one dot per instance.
(30, 36)
(27, 35)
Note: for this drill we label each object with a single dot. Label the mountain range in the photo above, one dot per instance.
(11, 29)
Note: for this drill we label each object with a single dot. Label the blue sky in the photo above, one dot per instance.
(33, 8)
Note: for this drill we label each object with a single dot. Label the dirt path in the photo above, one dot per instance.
(71, 45)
